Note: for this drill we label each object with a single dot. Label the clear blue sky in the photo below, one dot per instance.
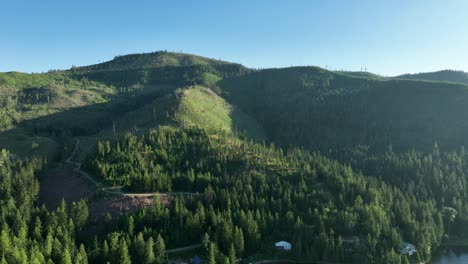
(386, 37)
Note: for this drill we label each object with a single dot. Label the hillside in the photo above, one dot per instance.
(193, 106)
(201, 107)
(439, 76)
(238, 159)
(158, 68)
(362, 74)
(322, 110)
(156, 59)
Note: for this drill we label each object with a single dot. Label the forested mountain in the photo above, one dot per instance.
(439, 76)
(151, 60)
(344, 165)
(321, 110)
(159, 68)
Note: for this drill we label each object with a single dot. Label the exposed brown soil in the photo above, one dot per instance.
(119, 205)
(63, 182)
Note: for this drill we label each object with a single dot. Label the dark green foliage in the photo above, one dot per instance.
(440, 76)
(320, 110)
(240, 196)
(255, 194)
(159, 68)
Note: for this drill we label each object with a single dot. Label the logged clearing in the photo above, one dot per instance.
(63, 182)
(120, 205)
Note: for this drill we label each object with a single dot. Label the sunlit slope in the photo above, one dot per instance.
(201, 107)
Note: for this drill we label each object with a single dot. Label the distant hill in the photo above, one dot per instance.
(151, 60)
(321, 110)
(159, 68)
(361, 74)
(440, 76)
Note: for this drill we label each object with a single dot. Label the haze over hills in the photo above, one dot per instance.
(241, 158)
(440, 76)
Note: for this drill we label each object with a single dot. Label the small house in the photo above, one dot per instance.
(283, 245)
(407, 249)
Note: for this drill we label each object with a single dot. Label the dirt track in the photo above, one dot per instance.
(113, 190)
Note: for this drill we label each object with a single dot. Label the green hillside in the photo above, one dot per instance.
(439, 76)
(193, 106)
(322, 110)
(201, 107)
(345, 165)
(151, 60)
(158, 68)
(361, 74)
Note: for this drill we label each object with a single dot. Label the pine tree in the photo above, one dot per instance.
(149, 251)
(48, 244)
(5, 242)
(123, 255)
(239, 240)
(79, 213)
(105, 250)
(81, 257)
(131, 225)
(212, 254)
(232, 254)
(66, 258)
(159, 249)
(37, 229)
(206, 243)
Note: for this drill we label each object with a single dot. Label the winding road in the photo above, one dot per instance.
(118, 190)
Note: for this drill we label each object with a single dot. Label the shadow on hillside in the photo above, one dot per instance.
(246, 125)
(75, 122)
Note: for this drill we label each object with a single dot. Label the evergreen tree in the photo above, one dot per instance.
(232, 254)
(159, 249)
(212, 254)
(66, 258)
(149, 253)
(123, 254)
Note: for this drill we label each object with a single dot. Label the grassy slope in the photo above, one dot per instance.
(203, 108)
(188, 107)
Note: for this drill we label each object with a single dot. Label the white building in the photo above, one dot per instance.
(283, 245)
(407, 249)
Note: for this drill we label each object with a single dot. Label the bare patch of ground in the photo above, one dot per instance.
(120, 205)
(63, 182)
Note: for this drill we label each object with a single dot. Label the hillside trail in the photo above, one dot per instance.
(117, 190)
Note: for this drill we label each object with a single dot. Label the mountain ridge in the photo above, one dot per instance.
(441, 76)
